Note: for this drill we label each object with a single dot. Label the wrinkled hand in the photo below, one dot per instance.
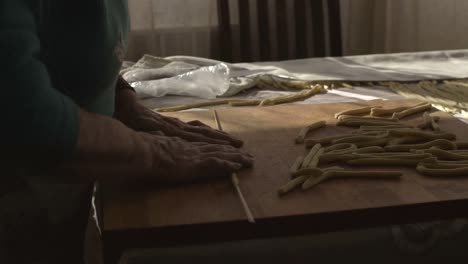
(179, 160)
(159, 158)
(140, 118)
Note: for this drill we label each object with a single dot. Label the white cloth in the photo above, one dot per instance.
(435, 65)
(413, 66)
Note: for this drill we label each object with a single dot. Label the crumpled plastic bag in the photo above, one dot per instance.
(206, 82)
(170, 70)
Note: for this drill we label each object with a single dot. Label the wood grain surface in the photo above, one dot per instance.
(211, 211)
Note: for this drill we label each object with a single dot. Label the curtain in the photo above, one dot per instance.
(189, 27)
(175, 27)
(384, 26)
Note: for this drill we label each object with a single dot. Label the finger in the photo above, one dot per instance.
(197, 123)
(197, 127)
(148, 124)
(173, 121)
(174, 131)
(204, 130)
(240, 158)
(216, 167)
(203, 144)
(157, 133)
(194, 137)
(212, 133)
(208, 148)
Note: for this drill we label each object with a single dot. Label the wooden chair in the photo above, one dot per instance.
(324, 15)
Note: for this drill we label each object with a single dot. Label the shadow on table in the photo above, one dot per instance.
(360, 246)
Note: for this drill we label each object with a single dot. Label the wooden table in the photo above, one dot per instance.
(142, 217)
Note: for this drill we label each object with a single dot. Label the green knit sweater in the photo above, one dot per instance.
(56, 56)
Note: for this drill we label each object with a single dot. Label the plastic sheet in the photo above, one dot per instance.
(170, 70)
(206, 82)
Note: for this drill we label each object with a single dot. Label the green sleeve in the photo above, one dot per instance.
(37, 117)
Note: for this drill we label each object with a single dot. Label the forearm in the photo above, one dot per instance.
(107, 148)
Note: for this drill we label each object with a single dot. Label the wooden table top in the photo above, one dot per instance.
(212, 209)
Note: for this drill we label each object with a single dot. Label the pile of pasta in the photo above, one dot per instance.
(379, 138)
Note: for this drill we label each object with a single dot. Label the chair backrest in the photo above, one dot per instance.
(316, 26)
